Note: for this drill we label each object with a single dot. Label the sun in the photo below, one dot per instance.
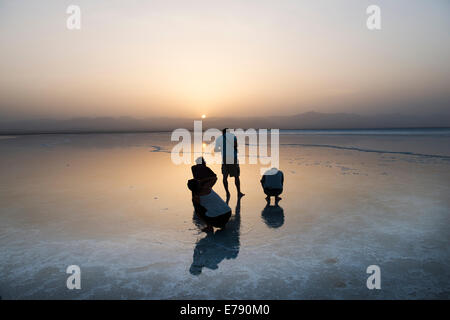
(203, 116)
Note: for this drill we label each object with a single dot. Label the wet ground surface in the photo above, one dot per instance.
(116, 205)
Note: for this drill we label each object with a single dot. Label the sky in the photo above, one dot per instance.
(143, 58)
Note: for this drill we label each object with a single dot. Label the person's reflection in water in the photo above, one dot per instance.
(215, 247)
(273, 216)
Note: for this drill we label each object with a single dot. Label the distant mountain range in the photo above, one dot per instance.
(308, 120)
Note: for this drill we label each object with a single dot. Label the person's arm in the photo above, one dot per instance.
(282, 178)
(195, 199)
(218, 146)
(207, 184)
(210, 172)
(208, 180)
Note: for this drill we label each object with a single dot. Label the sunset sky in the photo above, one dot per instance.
(222, 58)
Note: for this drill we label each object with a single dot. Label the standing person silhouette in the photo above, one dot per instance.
(227, 144)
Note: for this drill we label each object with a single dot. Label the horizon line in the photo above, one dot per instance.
(16, 133)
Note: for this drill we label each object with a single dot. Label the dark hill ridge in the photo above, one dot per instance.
(308, 120)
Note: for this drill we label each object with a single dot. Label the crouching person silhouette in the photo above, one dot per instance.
(208, 205)
(272, 182)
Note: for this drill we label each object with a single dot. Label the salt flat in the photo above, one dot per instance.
(116, 205)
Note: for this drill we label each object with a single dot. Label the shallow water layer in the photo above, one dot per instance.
(116, 205)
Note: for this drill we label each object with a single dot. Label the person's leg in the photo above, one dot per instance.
(267, 192)
(277, 195)
(208, 228)
(222, 220)
(237, 182)
(225, 185)
(201, 213)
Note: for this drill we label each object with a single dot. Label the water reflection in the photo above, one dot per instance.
(273, 216)
(217, 246)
